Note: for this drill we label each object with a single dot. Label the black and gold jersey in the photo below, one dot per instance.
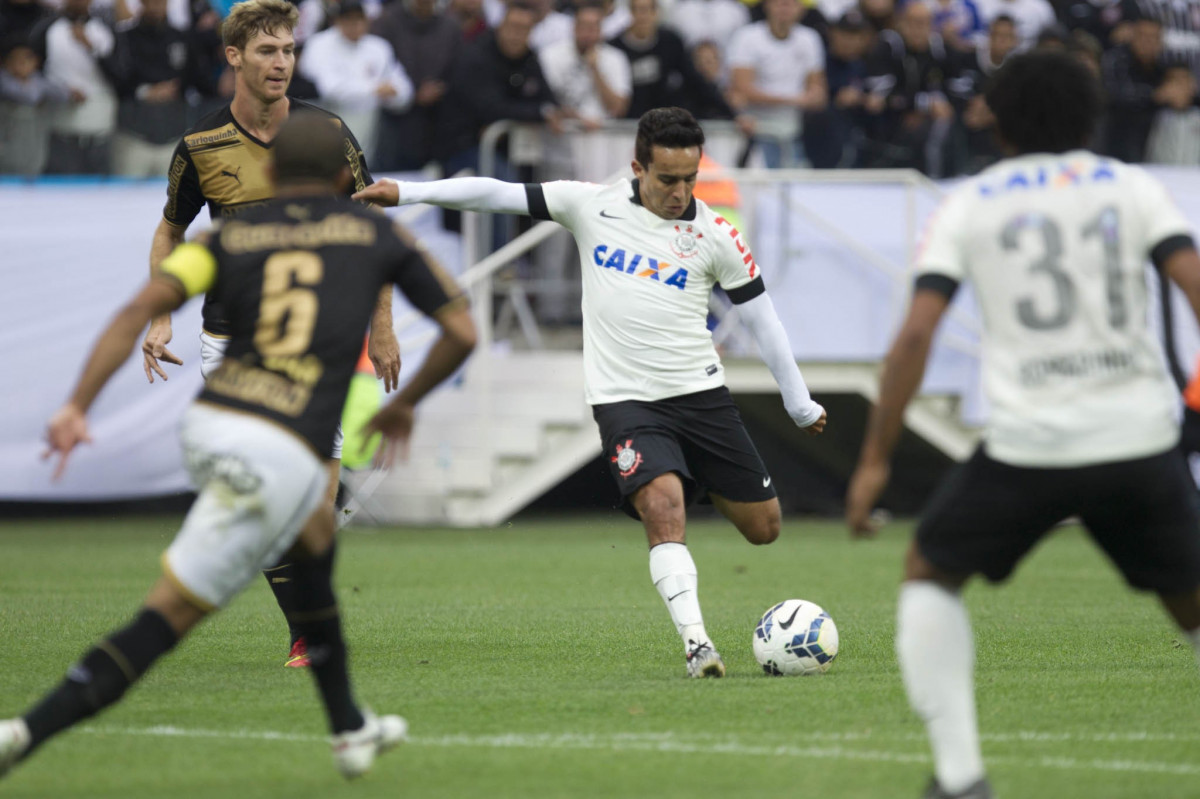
(219, 164)
(298, 279)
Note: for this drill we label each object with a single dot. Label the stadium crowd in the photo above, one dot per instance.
(107, 86)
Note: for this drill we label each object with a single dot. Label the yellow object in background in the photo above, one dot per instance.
(362, 401)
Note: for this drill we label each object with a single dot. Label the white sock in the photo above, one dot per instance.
(1194, 637)
(674, 575)
(937, 662)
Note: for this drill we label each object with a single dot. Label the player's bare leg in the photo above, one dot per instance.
(937, 662)
(358, 735)
(1185, 610)
(104, 673)
(758, 522)
(282, 580)
(661, 505)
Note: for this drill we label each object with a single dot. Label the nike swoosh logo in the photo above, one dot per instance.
(607, 215)
(783, 625)
(766, 481)
(681, 593)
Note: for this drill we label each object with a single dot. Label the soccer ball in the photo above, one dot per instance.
(795, 637)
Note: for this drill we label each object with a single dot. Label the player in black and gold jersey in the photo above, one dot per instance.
(298, 279)
(221, 162)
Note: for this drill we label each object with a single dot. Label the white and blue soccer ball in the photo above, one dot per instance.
(795, 637)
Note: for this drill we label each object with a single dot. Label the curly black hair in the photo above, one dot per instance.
(1046, 101)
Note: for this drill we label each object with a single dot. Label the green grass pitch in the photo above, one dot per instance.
(536, 660)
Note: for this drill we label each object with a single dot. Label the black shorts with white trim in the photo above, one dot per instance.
(698, 436)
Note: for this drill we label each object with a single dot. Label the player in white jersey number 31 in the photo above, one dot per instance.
(651, 254)
(1083, 413)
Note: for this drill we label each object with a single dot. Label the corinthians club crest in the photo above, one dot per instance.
(627, 458)
(687, 242)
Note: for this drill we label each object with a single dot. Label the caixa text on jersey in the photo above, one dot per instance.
(641, 266)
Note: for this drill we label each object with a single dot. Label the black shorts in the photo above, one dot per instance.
(698, 436)
(1142, 513)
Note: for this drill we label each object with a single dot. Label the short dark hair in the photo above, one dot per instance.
(1045, 101)
(309, 146)
(666, 127)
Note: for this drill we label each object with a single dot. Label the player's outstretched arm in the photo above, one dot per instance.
(903, 370)
(68, 427)
(154, 347)
(759, 317)
(462, 194)
(395, 420)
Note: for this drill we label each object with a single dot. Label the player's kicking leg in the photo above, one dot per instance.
(660, 503)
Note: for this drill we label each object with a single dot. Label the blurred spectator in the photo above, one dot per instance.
(662, 71)
(497, 77)
(21, 17)
(959, 22)
(1180, 20)
(1031, 17)
(317, 15)
(617, 17)
(979, 148)
(110, 12)
(708, 21)
(550, 27)
(1106, 20)
(880, 14)
(1133, 77)
(25, 95)
(1052, 37)
(79, 55)
(591, 79)
(909, 114)
(355, 73)
(180, 13)
(156, 64)
(832, 137)
(470, 17)
(1087, 49)
(425, 41)
(1175, 135)
(777, 72)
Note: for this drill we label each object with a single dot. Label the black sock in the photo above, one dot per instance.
(317, 619)
(102, 676)
(283, 584)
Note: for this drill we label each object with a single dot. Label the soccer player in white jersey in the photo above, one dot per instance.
(1084, 415)
(651, 254)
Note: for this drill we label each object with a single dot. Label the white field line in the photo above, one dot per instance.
(669, 743)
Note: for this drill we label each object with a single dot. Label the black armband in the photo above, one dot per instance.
(946, 286)
(746, 292)
(1168, 247)
(537, 201)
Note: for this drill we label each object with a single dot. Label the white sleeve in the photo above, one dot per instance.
(467, 194)
(561, 200)
(759, 317)
(734, 264)
(1160, 217)
(941, 249)
(617, 72)
(741, 49)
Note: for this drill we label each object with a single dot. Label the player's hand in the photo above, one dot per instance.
(384, 351)
(818, 427)
(866, 485)
(384, 191)
(154, 348)
(394, 422)
(66, 429)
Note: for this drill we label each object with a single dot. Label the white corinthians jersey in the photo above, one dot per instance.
(646, 284)
(1056, 248)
